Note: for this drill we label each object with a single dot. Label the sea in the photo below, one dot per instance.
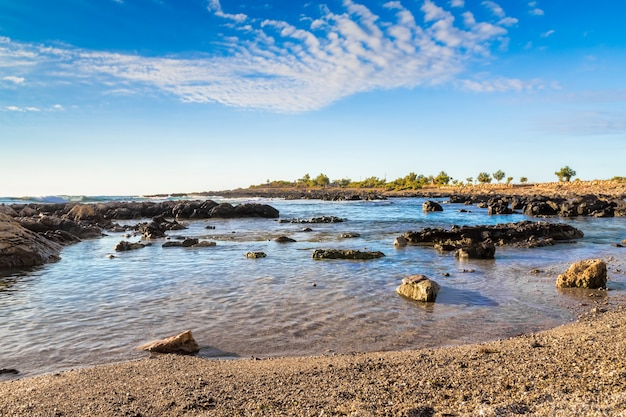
(95, 305)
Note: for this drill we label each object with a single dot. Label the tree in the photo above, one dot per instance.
(523, 180)
(470, 180)
(499, 175)
(322, 180)
(484, 178)
(509, 180)
(442, 178)
(565, 173)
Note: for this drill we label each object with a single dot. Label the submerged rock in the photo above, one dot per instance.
(182, 344)
(419, 288)
(481, 250)
(124, 246)
(590, 273)
(345, 254)
(431, 206)
(255, 255)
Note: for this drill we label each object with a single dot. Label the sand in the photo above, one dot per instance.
(577, 369)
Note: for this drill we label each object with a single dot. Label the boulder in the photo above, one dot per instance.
(255, 255)
(345, 254)
(124, 246)
(590, 273)
(284, 239)
(430, 206)
(480, 250)
(182, 344)
(350, 235)
(419, 288)
(400, 242)
(498, 206)
(20, 247)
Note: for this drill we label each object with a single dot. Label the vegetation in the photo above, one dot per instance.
(412, 181)
(484, 178)
(565, 174)
(499, 175)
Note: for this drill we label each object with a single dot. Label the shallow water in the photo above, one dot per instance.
(88, 309)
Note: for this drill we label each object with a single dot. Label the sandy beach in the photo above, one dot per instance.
(577, 369)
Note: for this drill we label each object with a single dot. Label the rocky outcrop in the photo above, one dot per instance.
(524, 234)
(323, 219)
(498, 206)
(255, 255)
(20, 247)
(157, 227)
(124, 246)
(346, 254)
(590, 273)
(419, 288)
(181, 344)
(284, 239)
(52, 223)
(431, 206)
(480, 250)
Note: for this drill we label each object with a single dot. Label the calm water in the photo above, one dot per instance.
(89, 309)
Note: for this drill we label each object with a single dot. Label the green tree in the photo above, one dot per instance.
(343, 183)
(442, 178)
(484, 178)
(523, 180)
(321, 180)
(565, 174)
(509, 180)
(470, 180)
(499, 175)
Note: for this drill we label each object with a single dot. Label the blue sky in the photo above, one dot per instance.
(116, 97)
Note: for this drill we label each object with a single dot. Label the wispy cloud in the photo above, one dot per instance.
(13, 79)
(291, 66)
(500, 85)
(457, 3)
(534, 10)
(22, 109)
(547, 33)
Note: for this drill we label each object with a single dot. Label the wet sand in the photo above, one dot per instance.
(577, 369)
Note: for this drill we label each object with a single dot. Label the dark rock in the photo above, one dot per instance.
(345, 254)
(323, 219)
(350, 235)
(521, 234)
(481, 250)
(499, 206)
(431, 206)
(126, 246)
(284, 239)
(255, 255)
(20, 247)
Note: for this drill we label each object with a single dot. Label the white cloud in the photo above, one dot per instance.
(13, 79)
(215, 7)
(291, 67)
(547, 34)
(500, 85)
(495, 8)
(457, 3)
(534, 10)
(22, 109)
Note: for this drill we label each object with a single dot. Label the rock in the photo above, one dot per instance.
(481, 250)
(431, 206)
(255, 255)
(623, 242)
(126, 246)
(400, 242)
(284, 239)
(172, 244)
(20, 247)
(188, 242)
(182, 344)
(498, 206)
(205, 244)
(350, 235)
(419, 288)
(9, 371)
(323, 219)
(345, 254)
(226, 210)
(590, 273)
(518, 234)
(157, 227)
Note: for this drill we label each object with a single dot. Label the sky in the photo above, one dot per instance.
(136, 97)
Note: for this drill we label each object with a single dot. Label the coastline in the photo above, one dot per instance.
(575, 369)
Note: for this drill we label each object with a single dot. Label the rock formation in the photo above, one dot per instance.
(20, 247)
(182, 344)
(590, 273)
(345, 254)
(419, 288)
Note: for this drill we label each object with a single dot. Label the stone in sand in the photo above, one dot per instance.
(419, 288)
(181, 344)
(590, 273)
